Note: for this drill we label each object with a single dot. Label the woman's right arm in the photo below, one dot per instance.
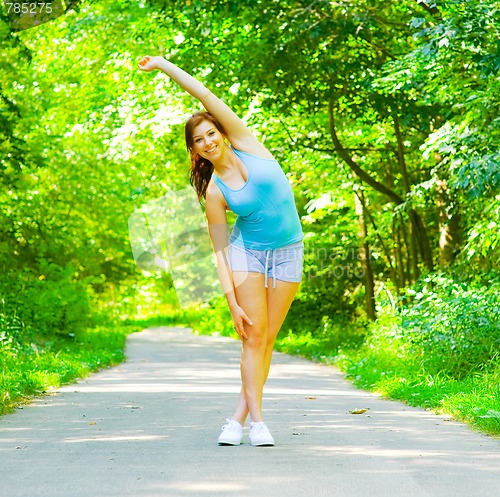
(181, 77)
(217, 225)
(238, 133)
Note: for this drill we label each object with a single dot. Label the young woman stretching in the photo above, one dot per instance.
(232, 170)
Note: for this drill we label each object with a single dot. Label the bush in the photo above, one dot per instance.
(455, 328)
(11, 330)
(214, 319)
(44, 302)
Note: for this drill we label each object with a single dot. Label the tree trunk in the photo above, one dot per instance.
(364, 251)
(385, 249)
(421, 239)
(449, 227)
(418, 240)
(399, 280)
(406, 270)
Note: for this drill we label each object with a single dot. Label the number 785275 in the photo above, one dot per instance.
(28, 8)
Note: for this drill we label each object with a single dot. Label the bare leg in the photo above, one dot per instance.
(279, 300)
(252, 297)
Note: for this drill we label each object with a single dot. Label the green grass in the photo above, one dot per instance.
(179, 317)
(393, 369)
(36, 368)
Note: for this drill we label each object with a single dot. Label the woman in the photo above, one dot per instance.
(266, 241)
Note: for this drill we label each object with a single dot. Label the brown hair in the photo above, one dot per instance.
(201, 169)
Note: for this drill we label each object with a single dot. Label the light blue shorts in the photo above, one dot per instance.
(284, 263)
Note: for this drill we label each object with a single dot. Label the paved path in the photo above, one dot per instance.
(148, 428)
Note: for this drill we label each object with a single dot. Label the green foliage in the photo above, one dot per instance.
(32, 369)
(455, 67)
(76, 159)
(322, 344)
(214, 318)
(11, 330)
(480, 255)
(50, 302)
(455, 327)
(86, 139)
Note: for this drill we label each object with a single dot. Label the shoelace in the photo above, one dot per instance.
(258, 428)
(228, 424)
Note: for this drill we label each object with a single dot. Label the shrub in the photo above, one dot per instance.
(456, 327)
(11, 329)
(45, 302)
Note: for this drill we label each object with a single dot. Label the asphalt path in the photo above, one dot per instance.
(149, 428)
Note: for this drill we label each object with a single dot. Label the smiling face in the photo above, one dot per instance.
(208, 141)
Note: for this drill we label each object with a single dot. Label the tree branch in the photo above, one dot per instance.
(361, 198)
(431, 9)
(358, 171)
(381, 49)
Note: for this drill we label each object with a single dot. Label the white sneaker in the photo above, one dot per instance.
(232, 433)
(259, 434)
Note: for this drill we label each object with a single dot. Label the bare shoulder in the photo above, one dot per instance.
(213, 192)
(215, 202)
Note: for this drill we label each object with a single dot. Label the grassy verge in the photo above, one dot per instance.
(32, 369)
(394, 370)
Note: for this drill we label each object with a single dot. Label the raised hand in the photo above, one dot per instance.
(149, 64)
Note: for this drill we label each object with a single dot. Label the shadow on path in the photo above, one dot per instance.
(149, 427)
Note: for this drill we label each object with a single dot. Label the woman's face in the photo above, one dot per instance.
(208, 141)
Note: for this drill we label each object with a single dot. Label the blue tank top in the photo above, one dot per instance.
(267, 216)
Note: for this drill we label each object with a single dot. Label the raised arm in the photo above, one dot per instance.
(237, 132)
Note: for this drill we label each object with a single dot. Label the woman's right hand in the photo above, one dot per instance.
(149, 64)
(239, 318)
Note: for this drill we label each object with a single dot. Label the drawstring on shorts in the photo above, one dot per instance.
(273, 275)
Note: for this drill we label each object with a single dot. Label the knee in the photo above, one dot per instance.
(257, 339)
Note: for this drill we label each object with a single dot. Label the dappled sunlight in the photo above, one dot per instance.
(7, 429)
(205, 487)
(154, 388)
(200, 386)
(370, 451)
(149, 427)
(291, 370)
(314, 391)
(446, 459)
(263, 483)
(117, 438)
